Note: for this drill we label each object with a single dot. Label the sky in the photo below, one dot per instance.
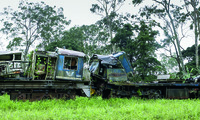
(78, 11)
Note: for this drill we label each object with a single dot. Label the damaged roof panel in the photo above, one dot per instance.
(106, 59)
(124, 61)
(9, 52)
(113, 59)
(70, 52)
(61, 51)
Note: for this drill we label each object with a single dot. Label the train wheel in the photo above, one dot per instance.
(73, 95)
(21, 97)
(69, 95)
(155, 94)
(46, 97)
(106, 94)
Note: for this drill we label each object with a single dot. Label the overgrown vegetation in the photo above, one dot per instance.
(96, 108)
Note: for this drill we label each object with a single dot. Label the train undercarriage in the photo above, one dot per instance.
(44, 89)
(149, 90)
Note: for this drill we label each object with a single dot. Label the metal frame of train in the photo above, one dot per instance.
(61, 75)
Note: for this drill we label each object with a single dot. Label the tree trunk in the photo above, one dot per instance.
(180, 57)
(197, 29)
(26, 50)
(197, 44)
(111, 36)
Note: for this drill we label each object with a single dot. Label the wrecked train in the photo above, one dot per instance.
(109, 77)
(61, 74)
(47, 75)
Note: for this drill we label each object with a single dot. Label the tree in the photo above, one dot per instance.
(72, 39)
(170, 63)
(124, 40)
(172, 18)
(140, 48)
(32, 22)
(107, 9)
(95, 40)
(146, 43)
(189, 55)
(89, 39)
(194, 15)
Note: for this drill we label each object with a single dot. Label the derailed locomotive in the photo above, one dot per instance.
(47, 75)
(60, 74)
(109, 78)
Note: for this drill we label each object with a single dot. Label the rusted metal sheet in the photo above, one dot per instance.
(177, 93)
(116, 75)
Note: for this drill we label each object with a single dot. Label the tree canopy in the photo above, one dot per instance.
(140, 48)
(108, 10)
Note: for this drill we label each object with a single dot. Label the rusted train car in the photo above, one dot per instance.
(47, 75)
(109, 78)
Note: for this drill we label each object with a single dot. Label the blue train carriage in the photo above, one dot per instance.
(109, 69)
(63, 64)
(69, 65)
(12, 65)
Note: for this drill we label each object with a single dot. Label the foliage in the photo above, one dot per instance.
(123, 40)
(89, 39)
(29, 67)
(170, 63)
(194, 15)
(189, 55)
(182, 75)
(32, 22)
(14, 43)
(96, 39)
(108, 9)
(95, 108)
(172, 19)
(71, 39)
(140, 49)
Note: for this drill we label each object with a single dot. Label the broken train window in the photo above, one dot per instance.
(70, 63)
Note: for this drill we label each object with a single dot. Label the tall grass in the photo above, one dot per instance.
(96, 108)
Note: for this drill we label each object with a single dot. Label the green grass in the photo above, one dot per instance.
(96, 108)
